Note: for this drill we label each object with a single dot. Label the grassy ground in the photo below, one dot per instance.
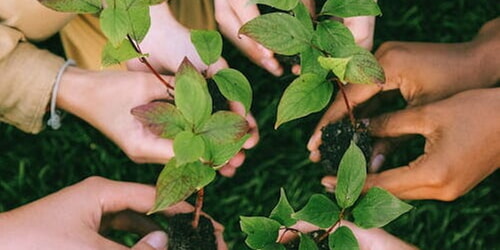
(34, 166)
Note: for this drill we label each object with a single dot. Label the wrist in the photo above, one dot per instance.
(73, 89)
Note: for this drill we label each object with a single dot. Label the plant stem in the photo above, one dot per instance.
(144, 60)
(348, 106)
(330, 229)
(197, 208)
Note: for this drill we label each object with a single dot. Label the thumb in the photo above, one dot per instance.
(156, 240)
(403, 122)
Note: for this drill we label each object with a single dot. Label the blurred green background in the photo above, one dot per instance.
(32, 166)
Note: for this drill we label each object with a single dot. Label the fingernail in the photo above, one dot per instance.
(314, 155)
(328, 184)
(270, 64)
(377, 162)
(156, 239)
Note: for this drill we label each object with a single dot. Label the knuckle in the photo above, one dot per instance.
(134, 153)
(93, 181)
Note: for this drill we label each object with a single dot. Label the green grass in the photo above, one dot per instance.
(34, 166)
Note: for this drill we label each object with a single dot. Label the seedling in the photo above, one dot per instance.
(203, 141)
(374, 209)
(329, 58)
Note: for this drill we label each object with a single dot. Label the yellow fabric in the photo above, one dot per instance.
(194, 14)
(27, 73)
(83, 40)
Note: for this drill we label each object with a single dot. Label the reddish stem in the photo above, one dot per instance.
(346, 100)
(145, 61)
(197, 208)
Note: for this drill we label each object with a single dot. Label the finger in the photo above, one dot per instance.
(129, 221)
(156, 240)
(238, 108)
(229, 25)
(399, 123)
(383, 147)
(234, 163)
(362, 29)
(356, 94)
(244, 11)
(215, 67)
(329, 182)
(158, 91)
(156, 150)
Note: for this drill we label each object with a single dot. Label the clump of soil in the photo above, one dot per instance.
(182, 236)
(322, 245)
(336, 139)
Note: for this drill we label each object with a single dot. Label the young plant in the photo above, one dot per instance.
(374, 209)
(203, 140)
(323, 45)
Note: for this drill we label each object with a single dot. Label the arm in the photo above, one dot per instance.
(71, 217)
(425, 72)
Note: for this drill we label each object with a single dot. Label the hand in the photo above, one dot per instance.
(462, 135)
(424, 72)
(70, 218)
(231, 15)
(374, 238)
(104, 100)
(167, 43)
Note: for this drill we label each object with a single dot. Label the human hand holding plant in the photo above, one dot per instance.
(71, 217)
(423, 73)
(461, 146)
(368, 239)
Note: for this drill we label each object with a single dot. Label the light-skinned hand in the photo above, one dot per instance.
(71, 217)
(424, 72)
(104, 100)
(368, 239)
(462, 146)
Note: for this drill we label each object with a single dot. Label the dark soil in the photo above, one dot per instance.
(322, 245)
(336, 139)
(182, 236)
(219, 102)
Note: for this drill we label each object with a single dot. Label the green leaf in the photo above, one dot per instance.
(377, 208)
(261, 231)
(176, 183)
(302, 14)
(208, 44)
(307, 94)
(224, 127)
(138, 22)
(274, 246)
(282, 211)
(350, 8)
(363, 68)
(307, 243)
(351, 176)
(188, 147)
(319, 210)
(337, 65)
(343, 239)
(279, 32)
(234, 86)
(115, 55)
(278, 4)
(161, 118)
(309, 63)
(219, 153)
(114, 25)
(191, 94)
(331, 35)
(74, 6)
